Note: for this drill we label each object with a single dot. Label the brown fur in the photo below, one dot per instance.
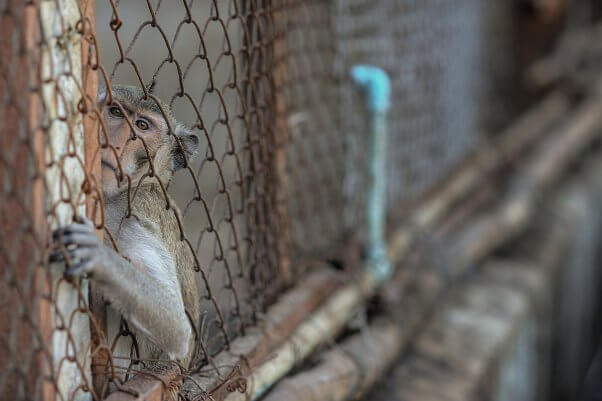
(147, 200)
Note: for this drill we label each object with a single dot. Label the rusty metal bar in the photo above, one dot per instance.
(93, 188)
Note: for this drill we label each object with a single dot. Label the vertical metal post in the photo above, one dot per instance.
(376, 86)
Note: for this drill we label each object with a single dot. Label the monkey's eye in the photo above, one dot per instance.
(116, 111)
(143, 125)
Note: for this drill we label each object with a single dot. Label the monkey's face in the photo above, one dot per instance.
(136, 136)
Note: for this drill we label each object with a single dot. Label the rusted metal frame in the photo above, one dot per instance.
(284, 318)
(93, 187)
(477, 168)
(347, 370)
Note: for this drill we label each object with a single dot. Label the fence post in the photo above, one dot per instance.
(377, 90)
(61, 90)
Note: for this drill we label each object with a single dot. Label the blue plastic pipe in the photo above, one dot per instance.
(376, 86)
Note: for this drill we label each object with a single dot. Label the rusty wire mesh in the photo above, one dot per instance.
(280, 171)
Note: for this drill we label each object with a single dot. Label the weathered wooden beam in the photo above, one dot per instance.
(347, 369)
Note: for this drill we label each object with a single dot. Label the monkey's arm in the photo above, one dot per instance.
(145, 290)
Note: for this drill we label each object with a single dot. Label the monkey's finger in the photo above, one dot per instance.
(85, 221)
(81, 253)
(56, 256)
(79, 239)
(71, 228)
(70, 255)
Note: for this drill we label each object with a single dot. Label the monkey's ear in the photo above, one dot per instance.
(190, 145)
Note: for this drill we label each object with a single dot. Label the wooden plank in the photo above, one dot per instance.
(346, 369)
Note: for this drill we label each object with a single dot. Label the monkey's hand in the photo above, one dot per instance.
(131, 285)
(78, 245)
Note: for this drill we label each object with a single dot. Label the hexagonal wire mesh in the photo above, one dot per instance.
(280, 171)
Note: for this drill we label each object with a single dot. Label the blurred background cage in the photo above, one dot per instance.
(274, 206)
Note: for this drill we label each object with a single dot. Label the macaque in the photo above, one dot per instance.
(149, 280)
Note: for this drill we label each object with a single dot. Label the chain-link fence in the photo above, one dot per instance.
(249, 105)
